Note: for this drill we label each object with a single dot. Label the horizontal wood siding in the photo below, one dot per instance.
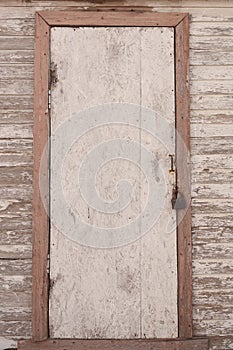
(211, 75)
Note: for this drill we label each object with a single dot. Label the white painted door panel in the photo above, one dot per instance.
(120, 290)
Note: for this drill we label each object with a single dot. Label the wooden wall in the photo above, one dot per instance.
(211, 74)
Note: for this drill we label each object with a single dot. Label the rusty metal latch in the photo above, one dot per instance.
(178, 200)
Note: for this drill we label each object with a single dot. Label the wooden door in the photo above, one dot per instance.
(113, 242)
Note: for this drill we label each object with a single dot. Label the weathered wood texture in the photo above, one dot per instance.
(184, 235)
(40, 223)
(197, 344)
(211, 74)
(125, 279)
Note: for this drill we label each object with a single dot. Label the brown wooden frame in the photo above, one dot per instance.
(44, 21)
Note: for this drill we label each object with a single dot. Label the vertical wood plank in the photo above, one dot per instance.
(104, 284)
(40, 218)
(183, 179)
(159, 250)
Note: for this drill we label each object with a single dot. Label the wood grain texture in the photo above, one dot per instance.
(213, 130)
(16, 299)
(14, 87)
(160, 4)
(211, 72)
(15, 314)
(195, 344)
(18, 329)
(15, 103)
(183, 179)
(16, 117)
(93, 265)
(209, 64)
(210, 58)
(17, 56)
(215, 145)
(14, 175)
(218, 117)
(94, 18)
(40, 219)
(18, 71)
(221, 343)
(16, 43)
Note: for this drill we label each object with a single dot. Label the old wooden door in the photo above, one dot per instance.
(113, 244)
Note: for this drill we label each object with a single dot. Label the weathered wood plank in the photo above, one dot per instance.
(211, 130)
(93, 263)
(213, 250)
(209, 87)
(212, 206)
(16, 299)
(18, 71)
(19, 27)
(16, 102)
(13, 222)
(203, 235)
(16, 117)
(17, 56)
(221, 343)
(16, 329)
(210, 266)
(15, 267)
(212, 29)
(18, 237)
(213, 176)
(15, 314)
(96, 18)
(211, 72)
(217, 43)
(12, 175)
(153, 298)
(184, 240)
(14, 208)
(212, 161)
(19, 251)
(160, 3)
(219, 282)
(212, 145)
(211, 297)
(213, 327)
(214, 101)
(212, 117)
(217, 312)
(199, 14)
(212, 219)
(15, 131)
(16, 87)
(18, 159)
(211, 58)
(15, 283)
(40, 224)
(15, 146)
(21, 192)
(212, 191)
(195, 344)
(16, 43)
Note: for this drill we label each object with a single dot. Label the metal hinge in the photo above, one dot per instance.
(49, 99)
(48, 264)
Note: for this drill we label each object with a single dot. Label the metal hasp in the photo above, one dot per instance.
(178, 200)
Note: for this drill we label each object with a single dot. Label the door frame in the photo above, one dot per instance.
(41, 226)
